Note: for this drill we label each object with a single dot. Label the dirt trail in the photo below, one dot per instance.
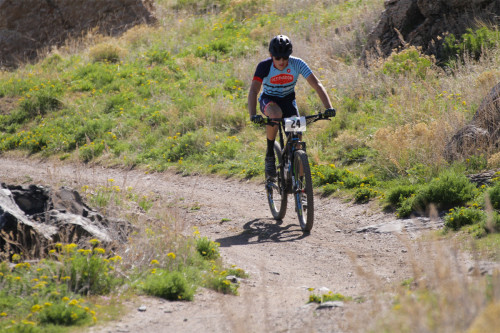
(282, 262)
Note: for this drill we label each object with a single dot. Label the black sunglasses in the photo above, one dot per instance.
(279, 58)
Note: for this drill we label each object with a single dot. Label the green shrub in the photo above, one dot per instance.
(328, 175)
(408, 62)
(493, 194)
(476, 163)
(447, 191)
(356, 155)
(65, 313)
(206, 248)
(397, 195)
(476, 230)
(158, 56)
(214, 49)
(172, 286)
(405, 208)
(36, 104)
(462, 216)
(473, 43)
(220, 283)
(88, 271)
(364, 194)
(90, 151)
(181, 146)
(116, 103)
(223, 150)
(93, 77)
(40, 293)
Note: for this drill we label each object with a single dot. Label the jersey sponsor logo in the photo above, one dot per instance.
(282, 79)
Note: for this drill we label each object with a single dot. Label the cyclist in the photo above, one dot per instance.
(278, 74)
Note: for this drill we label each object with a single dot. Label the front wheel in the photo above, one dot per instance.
(303, 190)
(276, 191)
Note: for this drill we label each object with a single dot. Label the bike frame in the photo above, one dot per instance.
(288, 148)
(294, 174)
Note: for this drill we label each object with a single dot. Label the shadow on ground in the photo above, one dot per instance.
(264, 230)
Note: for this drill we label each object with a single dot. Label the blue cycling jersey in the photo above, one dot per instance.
(280, 84)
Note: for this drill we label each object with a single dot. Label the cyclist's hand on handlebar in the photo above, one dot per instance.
(257, 119)
(330, 113)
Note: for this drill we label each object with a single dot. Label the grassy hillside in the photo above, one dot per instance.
(174, 96)
(138, 100)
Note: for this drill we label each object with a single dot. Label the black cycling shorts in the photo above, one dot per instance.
(287, 106)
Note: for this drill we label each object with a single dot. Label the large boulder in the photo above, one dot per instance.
(17, 230)
(28, 26)
(482, 134)
(33, 217)
(424, 23)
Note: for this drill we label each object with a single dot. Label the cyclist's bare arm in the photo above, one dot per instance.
(320, 89)
(252, 97)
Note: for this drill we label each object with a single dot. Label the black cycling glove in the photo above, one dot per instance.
(257, 119)
(330, 113)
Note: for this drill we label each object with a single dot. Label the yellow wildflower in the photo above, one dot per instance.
(99, 250)
(36, 308)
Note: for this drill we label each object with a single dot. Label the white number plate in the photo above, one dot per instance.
(295, 124)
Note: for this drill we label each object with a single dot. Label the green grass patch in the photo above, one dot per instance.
(321, 297)
(170, 285)
(473, 43)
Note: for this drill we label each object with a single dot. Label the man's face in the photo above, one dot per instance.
(280, 63)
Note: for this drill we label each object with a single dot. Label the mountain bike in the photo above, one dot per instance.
(293, 171)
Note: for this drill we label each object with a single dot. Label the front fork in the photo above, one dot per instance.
(290, 178)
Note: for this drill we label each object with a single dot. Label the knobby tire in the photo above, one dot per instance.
(303, 190)
(276, 192)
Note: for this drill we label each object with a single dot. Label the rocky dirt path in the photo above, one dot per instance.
(352, 249)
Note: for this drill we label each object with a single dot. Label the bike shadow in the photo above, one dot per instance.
(264, 230)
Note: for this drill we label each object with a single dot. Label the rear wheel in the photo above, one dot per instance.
(303, 190)
(276, 191)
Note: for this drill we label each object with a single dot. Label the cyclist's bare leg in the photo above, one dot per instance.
(272, 111)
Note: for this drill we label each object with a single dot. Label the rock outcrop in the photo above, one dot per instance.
(28, 26)
(424, 23)
(482, 134)
(33, 217)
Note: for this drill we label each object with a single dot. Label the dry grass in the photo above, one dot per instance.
(154, 238)
(445, 293)
(404, 147)
(494, 161)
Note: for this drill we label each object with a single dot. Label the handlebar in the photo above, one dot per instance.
(309, 119)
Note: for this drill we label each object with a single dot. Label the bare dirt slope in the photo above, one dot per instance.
(282, 262)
